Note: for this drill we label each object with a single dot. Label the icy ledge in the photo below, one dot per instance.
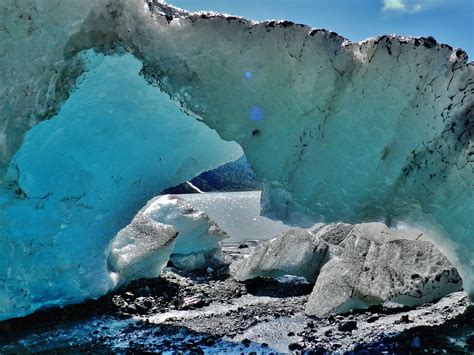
(338, 131)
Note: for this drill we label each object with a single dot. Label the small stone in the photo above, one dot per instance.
(246, 342)
(210, 341)
(290, 334)
(293, 346)
(347, 326)
(405, 319)
(310, 324)
(328, 333)
(372, 319)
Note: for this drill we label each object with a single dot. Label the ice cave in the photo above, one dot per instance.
(364, 152)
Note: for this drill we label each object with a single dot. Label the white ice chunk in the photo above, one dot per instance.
(140, 250)
(198, 245)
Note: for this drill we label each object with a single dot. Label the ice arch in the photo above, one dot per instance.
(381, 129)
(80, 177)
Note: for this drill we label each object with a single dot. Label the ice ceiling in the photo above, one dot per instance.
(338, 131)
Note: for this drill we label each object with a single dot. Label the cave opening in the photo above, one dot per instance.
(115, 143)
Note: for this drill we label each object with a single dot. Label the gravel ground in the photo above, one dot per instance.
(209, 311)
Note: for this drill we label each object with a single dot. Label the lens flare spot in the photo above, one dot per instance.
(248, 75)
(256, 113)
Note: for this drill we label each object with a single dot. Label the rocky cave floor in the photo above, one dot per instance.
(209, 311)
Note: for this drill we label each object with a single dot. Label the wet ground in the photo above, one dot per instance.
(208, 311)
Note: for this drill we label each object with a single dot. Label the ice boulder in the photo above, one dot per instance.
(198, 245)
(355, 266)
(372, 268)
(295, 252)
(140, 250)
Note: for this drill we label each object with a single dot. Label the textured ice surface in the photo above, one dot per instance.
(366, 271)
(140, 250)
(355, 266)
(296, 252)
(338, 131)
(238, 213)
(198, 243)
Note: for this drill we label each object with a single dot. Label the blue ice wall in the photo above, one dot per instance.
(82, 176)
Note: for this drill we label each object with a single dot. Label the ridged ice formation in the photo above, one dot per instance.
(381, 129)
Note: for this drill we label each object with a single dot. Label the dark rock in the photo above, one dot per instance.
(210, 341)
(293, 346)
(246, 342)
(404, 319)
(328, 333)
(372, 319)
(290, 334)
(347, 326)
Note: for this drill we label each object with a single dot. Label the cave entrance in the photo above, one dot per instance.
(116, 143)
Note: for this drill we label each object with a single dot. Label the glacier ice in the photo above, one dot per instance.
(374, 264)
(295, 252)
(355, 266)
(80, 177)
(166, 229)
(338, 131)
(198, 244)
(140, 250)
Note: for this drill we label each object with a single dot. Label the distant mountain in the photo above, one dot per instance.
(233, 176)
